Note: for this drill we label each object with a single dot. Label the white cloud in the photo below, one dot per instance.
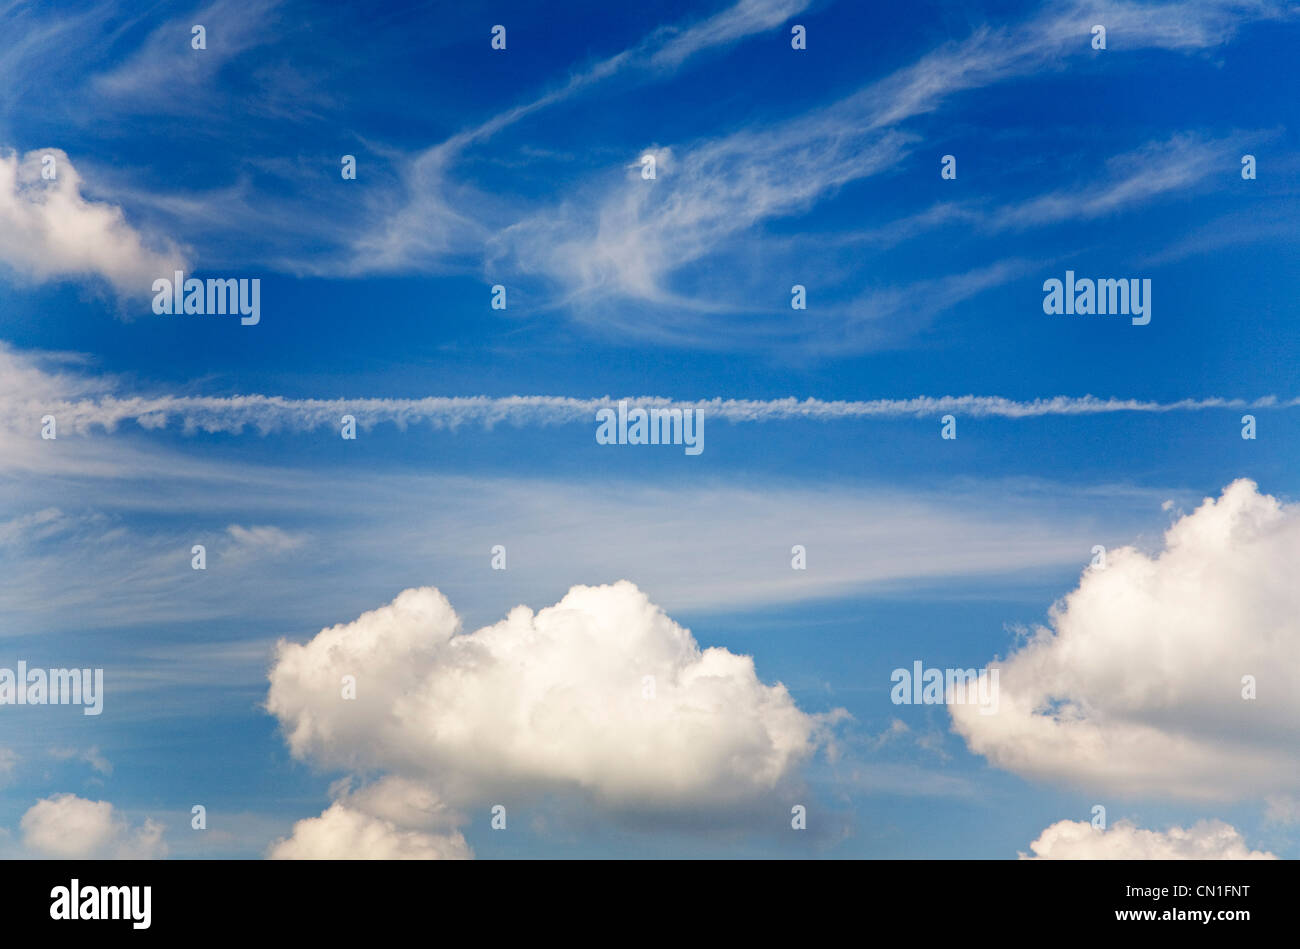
(1155, 169)
(642, 531)
(432, 219)
(624, 237)
(50, 231)
(393, 819)
(90, 756)
(1283, 809)
(263, 540)
(68, 827)
(627, 239)
(166, 72)
(36, 43)
(1204, 840)
(341, 833)
(1136, 687)
(553, 701)
(745, 18)
(861, 536)
(35, 384)
(36, 525)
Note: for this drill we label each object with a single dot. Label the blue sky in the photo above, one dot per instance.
(522, 168)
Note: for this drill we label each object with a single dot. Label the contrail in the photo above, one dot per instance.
(267, 414)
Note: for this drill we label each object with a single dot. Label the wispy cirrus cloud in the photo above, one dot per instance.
(1155, 169)
(621, 240)
(625, 240)
(166, 73)
(428, 218)
(618, 241)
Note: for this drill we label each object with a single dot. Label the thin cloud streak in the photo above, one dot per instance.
(267, 414)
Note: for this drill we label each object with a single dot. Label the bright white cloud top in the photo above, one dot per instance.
(393, 819)
(601, 694)
(554, 698)
(67, 827)
(1136, 687)
(49, 230)
(1204, 840)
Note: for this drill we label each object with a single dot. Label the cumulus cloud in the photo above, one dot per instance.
(341, 833)
(68, 827)
(1123, 840)
(601, 695)
(393, 819)
(50, 231)
(1136, 685)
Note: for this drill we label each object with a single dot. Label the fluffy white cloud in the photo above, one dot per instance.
(601, 694)
(48, 230)
(65, 826)
(392, 819)
(341, 833)
(1137, 687)
(1204, 840)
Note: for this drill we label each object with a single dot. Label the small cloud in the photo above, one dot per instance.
(256, 541)
(67, 827)
(1204, 840)
(90, 756)
(1283, 809)
(37, 526)
(392, 819)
